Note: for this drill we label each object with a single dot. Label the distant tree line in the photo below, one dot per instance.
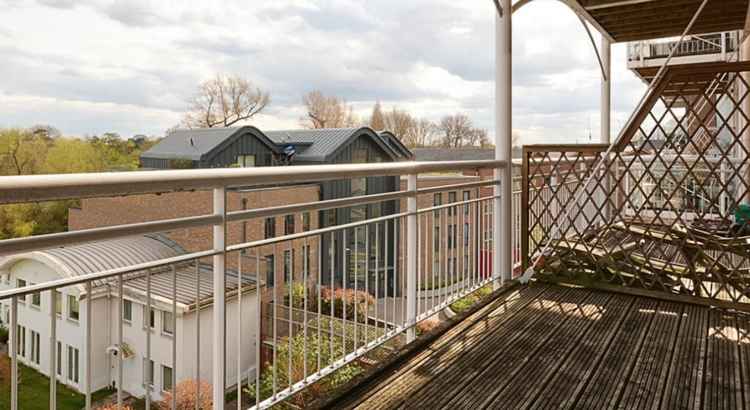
(44, 150)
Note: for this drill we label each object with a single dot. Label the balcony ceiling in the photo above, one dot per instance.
(631, 20)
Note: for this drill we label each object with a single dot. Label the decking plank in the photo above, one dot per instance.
(586, 356)
(531, 378)
(504, 360)
(722, 383)
(604, 387)
(644, 387)
(684, 383)
(543, 350)
(423, 368)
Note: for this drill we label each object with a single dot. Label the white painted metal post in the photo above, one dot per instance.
(53, 349)
(503, 202)
(745, 107)
(219, 314)
(411, 258)
(606, 112)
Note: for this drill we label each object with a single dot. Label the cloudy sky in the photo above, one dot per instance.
(93, 66)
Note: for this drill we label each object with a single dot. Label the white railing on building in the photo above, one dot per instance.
(436, 255)
(716, 43)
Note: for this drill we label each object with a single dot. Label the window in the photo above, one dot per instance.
(466, 234)
(127, 310)
(306, 258)
(58, 303)
(359, 186)
(466, 263)
(151, 317)
(58, 357)
(20, 283)
(306, 221)
(288, 224)
(36, 298)
(451, 236)
(270, 270)
(288, 264)
(166, 378)
(35, 345)
(451, 199)
(436, 240)
(245, 161)
(73, 308)
(21, 342)
(148, 372)
(73, 364)
(437, 200)
(467, 197)
(167, 326)
(270, 228)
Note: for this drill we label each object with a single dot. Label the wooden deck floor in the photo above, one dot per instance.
(553, 347)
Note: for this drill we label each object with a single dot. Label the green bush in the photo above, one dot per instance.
(3, 335)
(469, 300)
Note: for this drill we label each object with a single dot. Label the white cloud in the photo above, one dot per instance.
(129, 66)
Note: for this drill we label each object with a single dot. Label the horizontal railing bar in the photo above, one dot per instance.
(451, 187)
(315, 206)
(39, 242)
(105, 274)
(33, 188)
(455, 204)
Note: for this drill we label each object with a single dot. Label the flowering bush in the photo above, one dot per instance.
(345, 301)
(428, 324)
(186, 396)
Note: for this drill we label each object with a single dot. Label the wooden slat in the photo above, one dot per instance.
(722, 385)
(584, 360)
(684, 384)
(643, 389)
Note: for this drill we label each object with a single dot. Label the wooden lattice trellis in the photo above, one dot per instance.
(659, 215)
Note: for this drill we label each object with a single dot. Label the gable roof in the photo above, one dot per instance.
(322, 144)
(196, 143)
(396, 145)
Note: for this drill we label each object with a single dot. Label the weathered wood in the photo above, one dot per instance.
(563, 348)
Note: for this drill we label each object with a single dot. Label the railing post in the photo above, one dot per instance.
(219, 314)
(605, 133)
(53, 349)
(411, 257)
(502, 263)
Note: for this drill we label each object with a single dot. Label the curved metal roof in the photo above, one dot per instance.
(98, 256)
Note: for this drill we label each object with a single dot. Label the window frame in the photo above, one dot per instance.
(164, 378)
(289, 224)
(269, 228)
(59, 305)
(73, 301)
(270, 270)
(127, 309)
(166, 321)
(21, 283)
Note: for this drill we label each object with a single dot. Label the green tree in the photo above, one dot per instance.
(22, 152)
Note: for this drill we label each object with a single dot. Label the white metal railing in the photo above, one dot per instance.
(360, 285)
(716, 43)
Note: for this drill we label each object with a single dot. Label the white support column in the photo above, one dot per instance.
(606, 112)
(503, 203)
(53, 348)
(219, 314)
(745, 108)
(411, 258)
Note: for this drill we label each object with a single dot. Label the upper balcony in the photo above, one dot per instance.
(646, 56)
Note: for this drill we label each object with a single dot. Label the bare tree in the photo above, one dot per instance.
(422, 132)
(458, 131)
(413, 132)
(225, 101)
(327, 112)
(377, 120)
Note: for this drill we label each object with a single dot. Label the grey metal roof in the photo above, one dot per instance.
(453, 154)
(395, 144)
(111, 254)
(187, 283)
(194, 143)
(318, 144)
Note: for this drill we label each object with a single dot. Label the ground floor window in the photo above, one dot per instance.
(59, 358)
(35, 345)
(21, 342)
(73, 364)
(166, 378)
(148, 372)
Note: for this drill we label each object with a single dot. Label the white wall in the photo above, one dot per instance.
(68, 331)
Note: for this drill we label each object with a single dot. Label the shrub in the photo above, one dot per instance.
(186, 392)
(345, 301)
(428, 324)
(3, 335)
(113, 407)
(298, 358)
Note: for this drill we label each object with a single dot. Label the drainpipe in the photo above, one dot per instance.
(745, 56)
(502, 224)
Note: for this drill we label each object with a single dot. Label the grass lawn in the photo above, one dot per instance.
(33, 390)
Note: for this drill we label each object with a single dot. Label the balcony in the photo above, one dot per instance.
(645, 57)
